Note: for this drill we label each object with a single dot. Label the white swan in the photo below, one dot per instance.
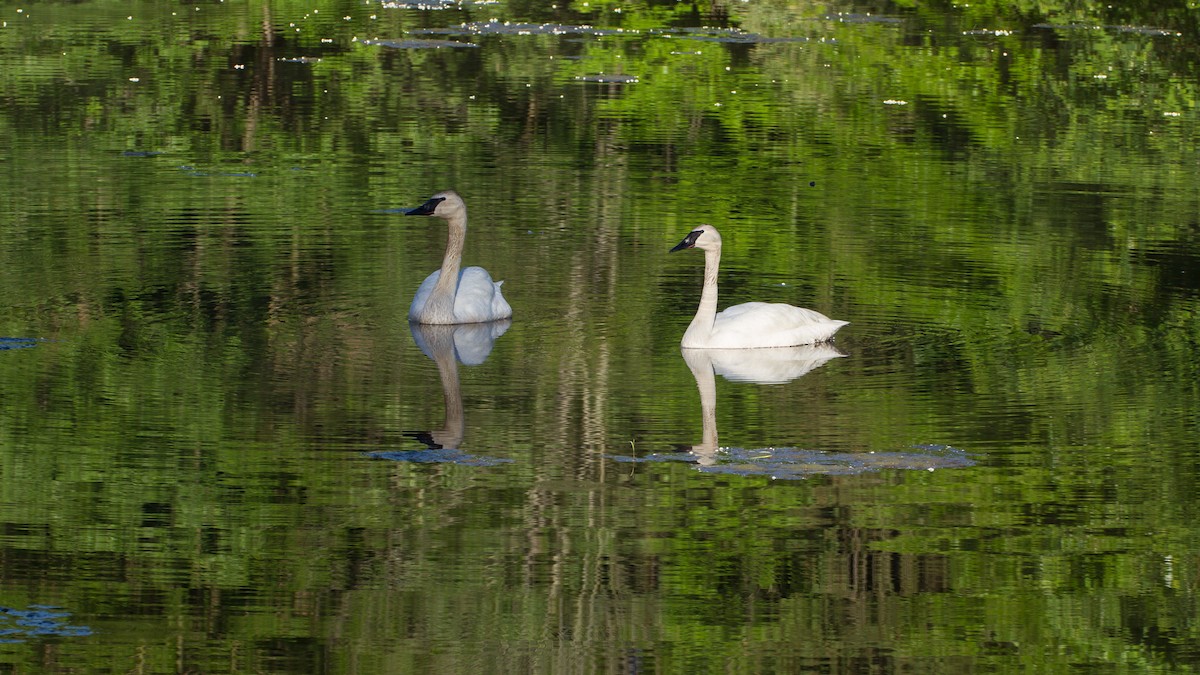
(752, 324)
(451, 296)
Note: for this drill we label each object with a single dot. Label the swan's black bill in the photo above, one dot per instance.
(427, 208)
(688, 241)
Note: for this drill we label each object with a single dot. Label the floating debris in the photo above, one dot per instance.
(1147, 30)
(18, 625)
(732, 35)
(851, 17)
(797, 463)
(439, 456)
(997, 32)
(418, 44)
(1136, 30)
(299, 59)
(608, 79)
(423, 4)
(510, 28)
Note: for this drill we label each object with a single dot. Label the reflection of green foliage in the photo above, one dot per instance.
(1011, 215)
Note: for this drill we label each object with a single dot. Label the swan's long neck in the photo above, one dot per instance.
(706, 313)
(440, 306)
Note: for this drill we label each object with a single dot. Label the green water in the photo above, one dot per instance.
(211, 402)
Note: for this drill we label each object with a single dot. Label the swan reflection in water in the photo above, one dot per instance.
(779, 366)
(761, 366)
(448, 345)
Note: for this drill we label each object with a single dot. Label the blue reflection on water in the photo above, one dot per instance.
(439, 455)
(17, 343)
(17, 625)
(797, 463)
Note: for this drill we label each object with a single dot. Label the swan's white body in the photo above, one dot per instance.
(452, 295)
(749, 325)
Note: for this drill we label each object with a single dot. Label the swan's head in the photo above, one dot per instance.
(703, 237)
(445, 204)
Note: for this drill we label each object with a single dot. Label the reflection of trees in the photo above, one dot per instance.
(252, 324)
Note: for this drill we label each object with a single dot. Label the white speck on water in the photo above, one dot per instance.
(132, 79)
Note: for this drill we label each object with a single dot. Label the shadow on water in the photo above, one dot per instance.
(780, 366)
(447, 346)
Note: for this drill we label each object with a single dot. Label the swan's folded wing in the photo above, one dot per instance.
(769, 324)
(479, 298)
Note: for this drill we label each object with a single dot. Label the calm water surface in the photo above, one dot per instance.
(224, 449)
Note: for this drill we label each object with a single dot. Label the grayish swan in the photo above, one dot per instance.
(450, 295)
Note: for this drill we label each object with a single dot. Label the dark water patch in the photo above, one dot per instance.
(17, 343)
(18, 625)
(418, 44)
(439, 456)
(798, 463)
(140, 153)
(1177, 265)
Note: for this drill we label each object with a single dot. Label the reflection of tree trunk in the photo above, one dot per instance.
(531, 119)
(578, 605)
(866, 576)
